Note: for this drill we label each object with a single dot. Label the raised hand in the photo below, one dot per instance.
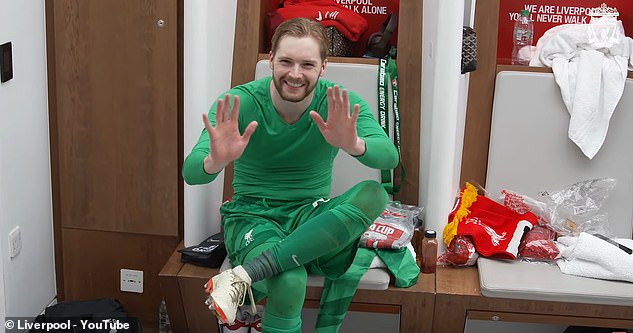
(340, 128)
(226, 144)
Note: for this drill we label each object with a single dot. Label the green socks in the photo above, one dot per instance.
(325, 233)
(262, 266)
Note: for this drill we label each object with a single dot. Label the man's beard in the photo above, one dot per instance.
(308, 88)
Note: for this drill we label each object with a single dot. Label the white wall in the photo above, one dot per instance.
(209, 31)
(25, 190)
(2, 296)
(444, 92)
(429, 39)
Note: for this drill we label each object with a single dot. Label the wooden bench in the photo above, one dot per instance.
(441, 306)
(181, 285)
(458, 298)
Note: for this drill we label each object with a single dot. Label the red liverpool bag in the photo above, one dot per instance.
(495, 230)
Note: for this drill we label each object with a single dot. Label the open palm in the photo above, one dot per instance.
(226, 144)
(340, 128)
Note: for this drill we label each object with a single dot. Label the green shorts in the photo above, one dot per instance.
(250, 222)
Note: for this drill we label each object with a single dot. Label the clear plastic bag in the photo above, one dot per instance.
(394, 228)
(577, 208)
(521, 204)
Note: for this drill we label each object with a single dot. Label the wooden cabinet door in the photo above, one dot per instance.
(116, 113)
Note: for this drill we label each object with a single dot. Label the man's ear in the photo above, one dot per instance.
(323, 67)
(270, 59)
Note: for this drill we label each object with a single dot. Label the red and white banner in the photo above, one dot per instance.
(550, 13)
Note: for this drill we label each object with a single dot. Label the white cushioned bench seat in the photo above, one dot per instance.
(538, 281)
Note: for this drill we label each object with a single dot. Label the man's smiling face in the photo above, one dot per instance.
(296, 67)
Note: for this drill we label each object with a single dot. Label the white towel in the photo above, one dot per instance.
(591, 72)
(590, 256)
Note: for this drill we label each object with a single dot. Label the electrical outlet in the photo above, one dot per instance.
(15, 242)
(131, 280)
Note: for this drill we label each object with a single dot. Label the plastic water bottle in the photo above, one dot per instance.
(522, 39)
(163, 318)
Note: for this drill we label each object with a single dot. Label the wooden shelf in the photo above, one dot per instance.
(515, 68)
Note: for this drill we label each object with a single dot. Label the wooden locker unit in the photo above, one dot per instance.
(115, 113)
(481, 91)
(250, 32)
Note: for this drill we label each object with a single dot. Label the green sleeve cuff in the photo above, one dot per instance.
(380, 153)
(193, 170)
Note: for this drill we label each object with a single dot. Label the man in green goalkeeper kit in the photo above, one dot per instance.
(283, 132)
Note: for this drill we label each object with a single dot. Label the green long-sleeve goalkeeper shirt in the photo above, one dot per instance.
(288, 161)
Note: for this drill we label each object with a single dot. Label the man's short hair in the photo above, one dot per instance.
(302, 27)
